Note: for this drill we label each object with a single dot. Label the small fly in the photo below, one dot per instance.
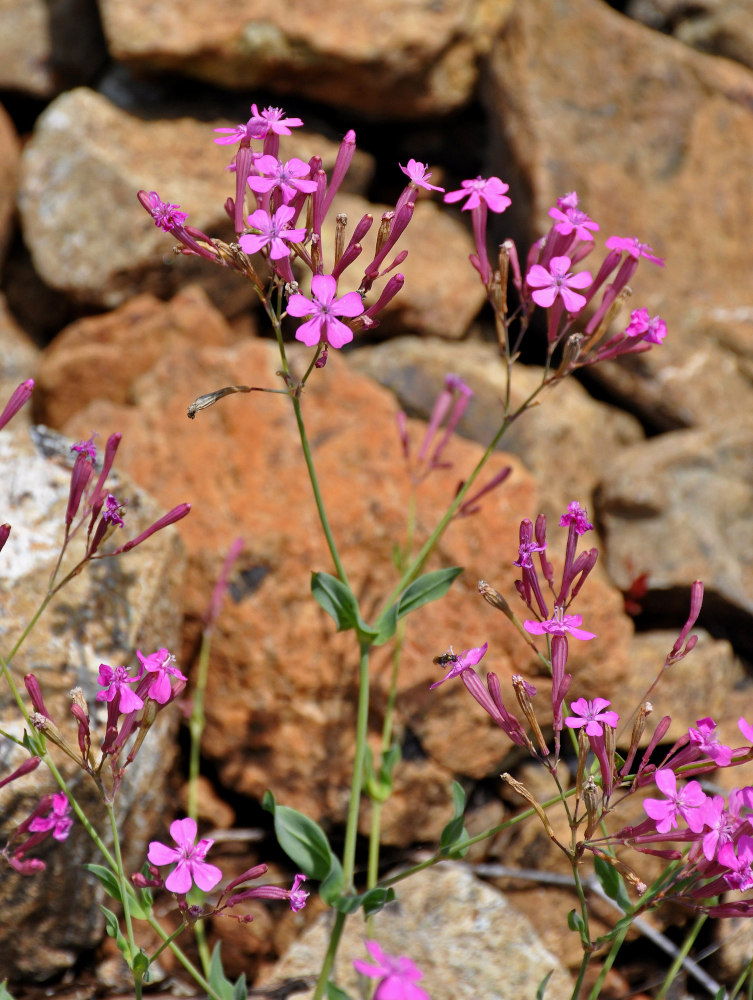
(445, 659)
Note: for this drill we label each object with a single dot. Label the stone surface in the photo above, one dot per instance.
(10, 151)
(101, 616)
(640, 125)
(719, 27)
(567, 422)
(384, 59)
(462, 933)
(292, 685)
(20, 357)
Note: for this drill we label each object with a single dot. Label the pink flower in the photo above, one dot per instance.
(112, 511)
(166, 215)
(468, 658)
(654, 329)
(272, 120)
(558, 280)
(397, 976)
(18, 397)
(160, 664)
(559, 624)
(686, 803)
(572, 220)
(419, 175)
(115, 681)
(290, 177)
(239, 133)
(591, 714)
(58, 822)
(491, 191)
(272, 232)
(324, 308)
(706, 739)
(578, 517)
(740, 864)
(191, 866)
(634, 247)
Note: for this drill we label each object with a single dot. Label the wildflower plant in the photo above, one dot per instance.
(325, 296)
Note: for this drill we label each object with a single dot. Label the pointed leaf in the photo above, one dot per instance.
(303, 840)
(612, 883)
(373, 900)
(333, 992)
(217, 978)
(429, 587)
(385, 626)
(543, 985)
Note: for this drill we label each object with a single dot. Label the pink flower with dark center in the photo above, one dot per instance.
(166, 215)
(572, 220)
(397, 975)
(685, 803)
(58, 822)
(558, 280)
(160, 664)
(419, 175)
(324, 308)
(191, 866)
(559, 624)
(591, 714)
(654, 328)
(489, 190)
(273, 232)
(468, 658)
(115, 680)
(290, 177)
(634, 247)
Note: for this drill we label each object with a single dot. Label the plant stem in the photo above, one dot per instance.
(351, 828)
(124, 885)
(329, 958)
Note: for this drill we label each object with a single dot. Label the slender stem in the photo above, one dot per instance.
(81, 815)
(120, 873)
(607, 964)
(351, 828)
(329, 958)
(184, 960)
(196, 728)
(681, 955)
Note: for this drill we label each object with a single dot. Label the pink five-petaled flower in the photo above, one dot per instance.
(591, 714)
(706, 738)
(273, 120)
(116, 680)
(191, 866)
(686, 803)
(468, 658)
(740, 864)
(291, 177)
(272, 232)
(633, 246)
(59, 822)
(558, 280)
(578, 517)
(397, 975)
(489, 190)
(559, 624)
(166, 215)
(654, 328)
(161, 665)
(324, 326)
(419, 175)
(570, 220)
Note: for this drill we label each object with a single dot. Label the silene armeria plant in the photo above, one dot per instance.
(325, 295)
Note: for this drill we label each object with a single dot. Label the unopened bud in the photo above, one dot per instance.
(591, 802)
(44, 725)
(534, 803)
(523, 691)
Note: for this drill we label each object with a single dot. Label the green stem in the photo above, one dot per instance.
(184, 960)
(606, 966)
(351, 828)
(196, 729)
(80, 814)
(123, 882)
(681, 955)
(329, 958)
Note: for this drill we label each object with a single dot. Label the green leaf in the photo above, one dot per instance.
(112, 926)
(303, 840)
(543, 985)
(575, 923)
(332, 886)
(109, 881)
(612, 884)
(4, 994)
(429, 587)
(140, 964)
(379, 786)
(453, 839)
(373, 900)
(385, 626)
(333, 992)
(217, 978)
(240, 990)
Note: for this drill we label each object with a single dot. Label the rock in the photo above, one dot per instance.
(414, 369)
(20, 358)
(87, 233)
(462, 933)
(10, 151)
(394, 59)
(280, 677)
(102, 615)
(720, 28)
(658, 140)
(677, 507)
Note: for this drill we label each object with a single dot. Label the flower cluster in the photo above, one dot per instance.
(50, 817)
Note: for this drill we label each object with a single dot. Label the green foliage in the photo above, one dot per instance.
(5, 994)
(543, 985)
(139, 907)
(378, 786)
(333, 992)
(453, 842)
(612, 884)
(427, 588)
(219, 982)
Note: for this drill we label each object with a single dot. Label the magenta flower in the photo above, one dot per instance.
(115, 681)
(239, 133)
(559, 624)
(112, 511)
(419, 175)
(324, 327)
(746, 729)
(468, 658)
(572, 220)
(706, 739)
(290, 177)
(18, 397)
(653, 329)
(740, 864)
(634, 247)
(273, 120)
(161, 665)
(58, 822)
(578, 517)
(591, 714)
(491, 191)
(272, 232)
(525, 552)
(397, 975)
(166, 215)
(558, 280)
(87, 448)
(685, 803)
(191, 866)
